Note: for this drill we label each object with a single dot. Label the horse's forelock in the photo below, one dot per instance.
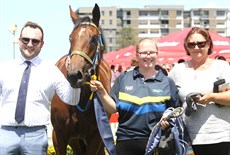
(81, 20)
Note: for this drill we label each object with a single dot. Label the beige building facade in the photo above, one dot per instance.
(158, 21)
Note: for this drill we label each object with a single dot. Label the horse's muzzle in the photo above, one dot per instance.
(75, 79)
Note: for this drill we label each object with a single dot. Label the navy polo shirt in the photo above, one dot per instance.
(141, 103)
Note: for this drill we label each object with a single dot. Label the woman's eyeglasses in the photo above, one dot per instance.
(146, 53)
(200, 44)
(26, 41)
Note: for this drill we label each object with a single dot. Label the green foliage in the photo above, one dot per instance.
(127, 37)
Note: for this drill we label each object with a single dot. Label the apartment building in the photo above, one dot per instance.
(157, 21)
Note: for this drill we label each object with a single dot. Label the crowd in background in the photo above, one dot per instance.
(165, 66)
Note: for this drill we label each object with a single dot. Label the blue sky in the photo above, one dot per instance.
(53, 16)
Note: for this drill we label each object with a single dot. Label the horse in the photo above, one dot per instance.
(73, 126)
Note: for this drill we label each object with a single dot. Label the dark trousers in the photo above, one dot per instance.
(131, 147)
(212, 149)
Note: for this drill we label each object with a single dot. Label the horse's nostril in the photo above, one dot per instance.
(79, 75)
(75, 79)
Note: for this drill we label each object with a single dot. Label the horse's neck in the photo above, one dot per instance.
(61, 64)
(105, 75)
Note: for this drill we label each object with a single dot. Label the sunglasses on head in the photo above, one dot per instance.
(26, 41)
(200, 44)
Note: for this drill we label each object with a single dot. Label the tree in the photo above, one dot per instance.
(127, 37)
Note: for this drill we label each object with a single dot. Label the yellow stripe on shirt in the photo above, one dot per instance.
(143, 100)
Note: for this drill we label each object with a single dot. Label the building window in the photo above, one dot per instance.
(206, 13)
(221, 32)
(111, 22)
(102, 22)
(102, 13)
(196, 22)
(164, 31)
(221, 24)
(110, 40)
(143, 13)
(164, 13)
(110, 13)
(154, 22)
(206, 22)
(178, 23)
(220, 13)
(196, 13)
(143, 22)
(179, 13)
(154, 13)
(143, 31)
(164, 22)
(154, 31)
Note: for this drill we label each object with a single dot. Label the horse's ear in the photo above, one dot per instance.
(73, 15)
(96, 14)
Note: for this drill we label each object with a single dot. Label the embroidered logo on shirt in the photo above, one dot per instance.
(157, 91)
(128, 87)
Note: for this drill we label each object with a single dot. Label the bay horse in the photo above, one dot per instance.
(73, 126)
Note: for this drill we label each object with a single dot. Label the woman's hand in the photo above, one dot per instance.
(204, 99)
(93, 86)
(96, 86)
(107, 101)
(164, 124)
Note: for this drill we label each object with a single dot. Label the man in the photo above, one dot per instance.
(23, 118)
(140, 96)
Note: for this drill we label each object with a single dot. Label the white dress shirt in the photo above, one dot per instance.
(45, 80)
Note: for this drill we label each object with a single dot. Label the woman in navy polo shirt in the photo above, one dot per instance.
(140, 96)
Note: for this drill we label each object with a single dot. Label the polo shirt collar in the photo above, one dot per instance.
(158, 76)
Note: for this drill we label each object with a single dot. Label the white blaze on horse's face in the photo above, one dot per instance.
(82, 31)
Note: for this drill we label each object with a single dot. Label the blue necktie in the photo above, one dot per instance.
(21, 102)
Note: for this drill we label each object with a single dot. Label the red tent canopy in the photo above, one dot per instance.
(171, 49)
(123, 56)
(174, 42)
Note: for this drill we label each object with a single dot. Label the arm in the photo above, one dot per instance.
(222, 98)
(63, 89)
(107, 101)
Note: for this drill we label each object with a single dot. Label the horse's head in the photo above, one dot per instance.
(86, 48)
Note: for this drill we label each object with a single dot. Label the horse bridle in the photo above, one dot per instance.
(92, 71)
(94, 62)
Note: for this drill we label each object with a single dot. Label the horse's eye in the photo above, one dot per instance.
(94, 39)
